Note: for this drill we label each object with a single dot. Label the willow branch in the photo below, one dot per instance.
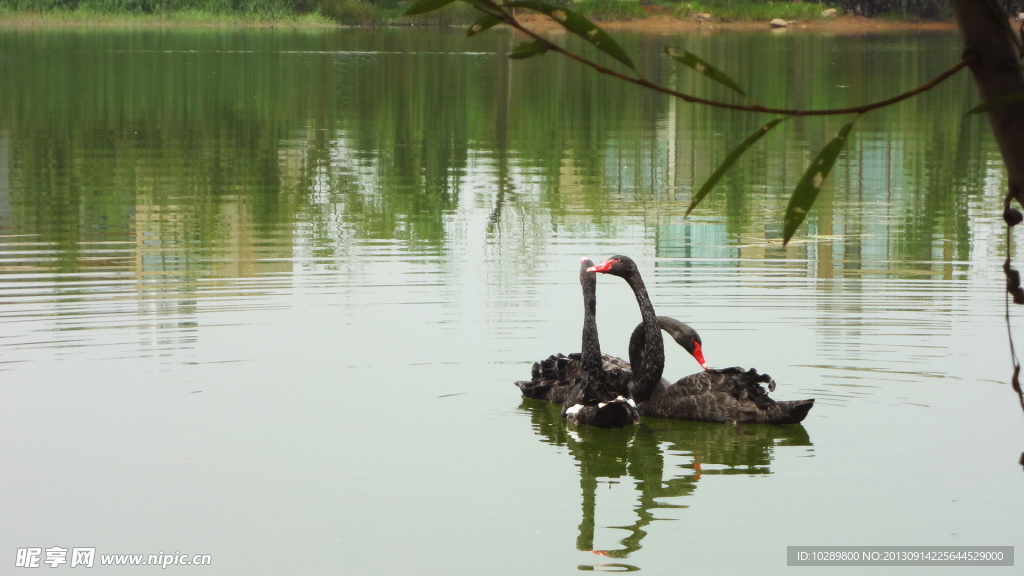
(968, 60)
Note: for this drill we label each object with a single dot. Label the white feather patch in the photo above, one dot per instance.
(573, 410)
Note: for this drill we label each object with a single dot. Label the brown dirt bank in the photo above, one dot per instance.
(663, 24)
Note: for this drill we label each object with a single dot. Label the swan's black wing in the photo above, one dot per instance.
(730, 395)
(551, 378)
(743, 385)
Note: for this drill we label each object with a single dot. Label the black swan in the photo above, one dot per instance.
(551, 378)
(596, 398)
(730, 395)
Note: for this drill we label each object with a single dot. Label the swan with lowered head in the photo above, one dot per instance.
(730, 395)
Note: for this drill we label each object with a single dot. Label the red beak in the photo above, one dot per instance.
(699, 355)
(602, 267)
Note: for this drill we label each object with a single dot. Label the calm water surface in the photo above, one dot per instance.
(263, 295)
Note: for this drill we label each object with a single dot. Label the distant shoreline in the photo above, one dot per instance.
(842, 25)
(654, 24)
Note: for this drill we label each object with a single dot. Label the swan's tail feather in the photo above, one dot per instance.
(536, 389)
(791, 411)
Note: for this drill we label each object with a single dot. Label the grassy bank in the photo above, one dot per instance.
(224, 12)
(754, 12)
(368, 12)
(183, 18)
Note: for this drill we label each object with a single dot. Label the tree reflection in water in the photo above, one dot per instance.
(639, 453)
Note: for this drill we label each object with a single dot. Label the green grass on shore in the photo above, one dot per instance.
(326, 13)
(182, 17)
(332, 13)
(760, 12)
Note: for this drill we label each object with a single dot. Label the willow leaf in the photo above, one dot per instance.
(691, 60)
(482, 23)
(579, 26)
(529, 49)
(424, 6)
(729, 161)
(994, 103)
(810, 183)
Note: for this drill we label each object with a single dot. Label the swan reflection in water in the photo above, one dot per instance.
(639, 453)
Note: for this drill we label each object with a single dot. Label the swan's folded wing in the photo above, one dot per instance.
(610, 363)
(736, 382)
(551, 378)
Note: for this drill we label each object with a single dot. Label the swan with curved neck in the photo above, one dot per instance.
(647, 349)
(596, 398)
(551, 378)
(730, 395)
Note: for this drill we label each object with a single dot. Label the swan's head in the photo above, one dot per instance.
(587, 280)
(585, 265)
(698, 353)
(622, 266)
(693, 347)
(685, 336)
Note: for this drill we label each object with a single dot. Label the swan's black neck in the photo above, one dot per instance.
(591, 361)
(647, 356)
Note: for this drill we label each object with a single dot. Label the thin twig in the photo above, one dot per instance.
(1015, 381)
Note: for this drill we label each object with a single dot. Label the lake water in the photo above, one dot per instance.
(264, 293)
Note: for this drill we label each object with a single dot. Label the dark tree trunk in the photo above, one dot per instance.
(997, 72)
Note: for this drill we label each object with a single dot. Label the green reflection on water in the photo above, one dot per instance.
(232, 145)
(642, 456)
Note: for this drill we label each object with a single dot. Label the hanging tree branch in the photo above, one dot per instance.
(512, 21)
(806, 191)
